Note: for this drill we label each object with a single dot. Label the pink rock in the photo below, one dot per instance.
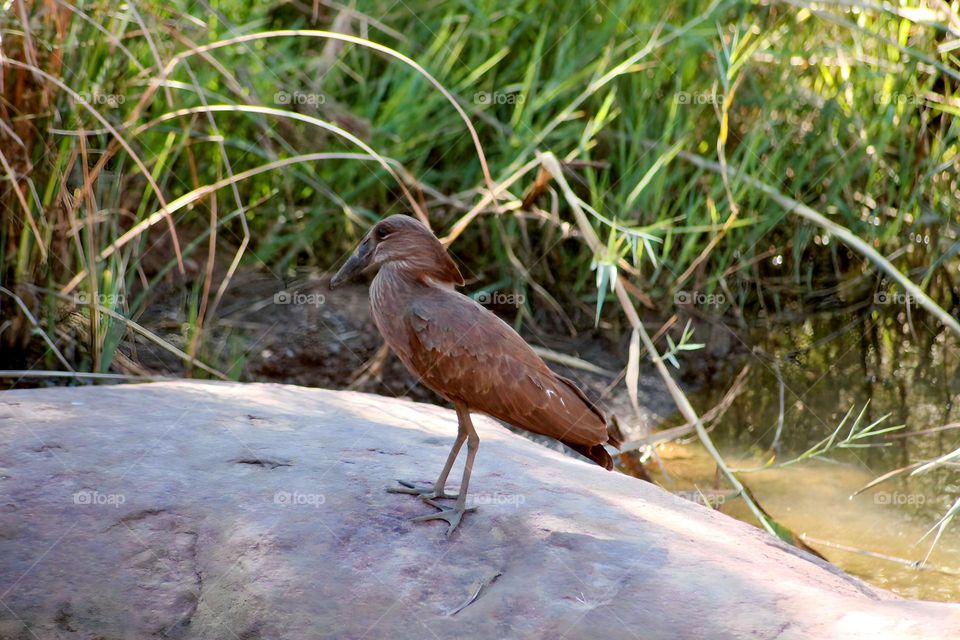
(211, 510)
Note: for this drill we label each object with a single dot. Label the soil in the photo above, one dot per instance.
(302, 333)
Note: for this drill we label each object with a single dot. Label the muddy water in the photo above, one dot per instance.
(828, 366)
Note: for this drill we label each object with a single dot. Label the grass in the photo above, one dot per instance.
(848, 111)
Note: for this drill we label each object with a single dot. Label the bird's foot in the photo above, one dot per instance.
(426, 493)
(451, 515)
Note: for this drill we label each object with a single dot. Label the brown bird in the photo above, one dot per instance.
(466, 354)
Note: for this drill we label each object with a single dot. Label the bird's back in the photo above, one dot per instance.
(466, 353)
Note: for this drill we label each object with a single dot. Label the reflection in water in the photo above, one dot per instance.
(829, 365)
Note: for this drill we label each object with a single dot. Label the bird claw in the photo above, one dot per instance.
(451, 515)
(426, 493)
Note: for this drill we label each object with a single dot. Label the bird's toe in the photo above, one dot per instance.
(441, 495)
(410, 488)
(427, 492)
(451, 515)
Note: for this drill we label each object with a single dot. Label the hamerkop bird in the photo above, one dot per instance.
(466, 354)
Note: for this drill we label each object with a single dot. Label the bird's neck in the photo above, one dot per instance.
(393, 278)
(396, 285)
(408, 276)
(392, 292)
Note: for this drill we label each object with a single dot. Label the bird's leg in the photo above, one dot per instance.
(437, 491)
(453, 515)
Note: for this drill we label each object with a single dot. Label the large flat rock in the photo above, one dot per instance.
(207, 510)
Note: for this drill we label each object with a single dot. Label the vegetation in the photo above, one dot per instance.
(848, 109)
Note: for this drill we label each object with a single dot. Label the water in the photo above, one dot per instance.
(829, 365)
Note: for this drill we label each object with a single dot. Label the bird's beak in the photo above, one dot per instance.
(354, 265)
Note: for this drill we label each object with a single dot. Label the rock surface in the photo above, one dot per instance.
(208, 510)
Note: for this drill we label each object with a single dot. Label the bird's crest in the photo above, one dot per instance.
(421, 253)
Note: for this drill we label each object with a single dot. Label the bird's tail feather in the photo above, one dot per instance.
(613, 433)
(597, 453)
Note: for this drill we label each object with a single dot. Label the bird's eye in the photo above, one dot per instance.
(382, 233)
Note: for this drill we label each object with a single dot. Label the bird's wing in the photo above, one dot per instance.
(464, 352)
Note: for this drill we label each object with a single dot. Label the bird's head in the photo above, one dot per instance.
(407, 245)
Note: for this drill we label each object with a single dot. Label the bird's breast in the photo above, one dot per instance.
(390, 300)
